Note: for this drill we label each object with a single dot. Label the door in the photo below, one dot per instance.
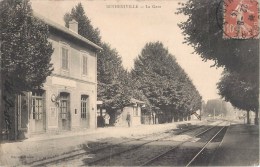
(64, 116)
(84, 115)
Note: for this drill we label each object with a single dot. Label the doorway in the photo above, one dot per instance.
(84, 114)
(37, 114)
(64, 116)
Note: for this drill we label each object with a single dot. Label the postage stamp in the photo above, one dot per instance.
(241, 19)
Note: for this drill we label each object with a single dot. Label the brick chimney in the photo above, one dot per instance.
(73, 26)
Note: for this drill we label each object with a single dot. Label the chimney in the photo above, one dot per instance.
(73, 26)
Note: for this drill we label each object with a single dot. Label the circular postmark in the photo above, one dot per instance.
(238, 19)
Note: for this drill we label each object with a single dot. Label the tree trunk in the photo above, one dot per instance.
(170, 120)
(175, 117)
(1, 97)
(181, 117)
(256, 118)
(1, 103)
(247, 116)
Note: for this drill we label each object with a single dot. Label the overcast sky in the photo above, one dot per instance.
(129, 29)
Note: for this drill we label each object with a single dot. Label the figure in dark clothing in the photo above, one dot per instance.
(100, 121)
(128, 119)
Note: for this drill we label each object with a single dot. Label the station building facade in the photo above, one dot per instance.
(67, 100)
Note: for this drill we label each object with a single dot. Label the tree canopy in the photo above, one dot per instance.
(240, 93)
(216, 106)
(25, 50)
(164, 82)
(85, 27)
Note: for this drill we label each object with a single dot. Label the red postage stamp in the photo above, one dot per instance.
(241, 19)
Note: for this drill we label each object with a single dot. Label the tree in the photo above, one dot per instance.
(216, 107)
(164, 82)
(25, 52)
(85, 27)
(247, 98)
(203, 31)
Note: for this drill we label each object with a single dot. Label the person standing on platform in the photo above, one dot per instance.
(106, 118)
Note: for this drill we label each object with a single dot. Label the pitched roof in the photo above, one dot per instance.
(66, 31)
(133, 100)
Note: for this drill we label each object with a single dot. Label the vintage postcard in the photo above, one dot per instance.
(129, 83)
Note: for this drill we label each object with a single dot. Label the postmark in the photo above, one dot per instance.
(240, 19)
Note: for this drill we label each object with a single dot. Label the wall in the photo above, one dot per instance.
(76, 90)
(75, 57)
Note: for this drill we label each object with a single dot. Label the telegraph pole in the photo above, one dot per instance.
(214, 113)
(1, 94)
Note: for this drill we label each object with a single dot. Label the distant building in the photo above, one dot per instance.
(68, 98)
(134, 109)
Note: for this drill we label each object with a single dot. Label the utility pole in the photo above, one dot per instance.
(214, 113)
(1, 95)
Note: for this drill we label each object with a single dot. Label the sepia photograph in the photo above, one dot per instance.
(129, 83)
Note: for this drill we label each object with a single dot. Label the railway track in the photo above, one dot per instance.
(114, 154)
(147, 153)
(95, 151)
(185, 154)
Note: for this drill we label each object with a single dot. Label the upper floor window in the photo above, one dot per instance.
(65, 58)
(84, 65)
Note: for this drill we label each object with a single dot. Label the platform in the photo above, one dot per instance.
(240, 147)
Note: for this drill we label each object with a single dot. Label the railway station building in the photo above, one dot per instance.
(67, 100)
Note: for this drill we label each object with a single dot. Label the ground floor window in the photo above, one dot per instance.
(37, 105)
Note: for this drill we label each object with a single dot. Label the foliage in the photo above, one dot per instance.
(25, 50)
(203, 31)
(163, 82)
(85, 27)
(240, 93)
(217, 105)
(112, 79)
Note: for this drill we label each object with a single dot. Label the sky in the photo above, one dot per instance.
(129, 29)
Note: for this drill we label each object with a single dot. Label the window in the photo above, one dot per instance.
(84, 65)
(84, 106)
(37, 105)
(65, 58)
(64, 105)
